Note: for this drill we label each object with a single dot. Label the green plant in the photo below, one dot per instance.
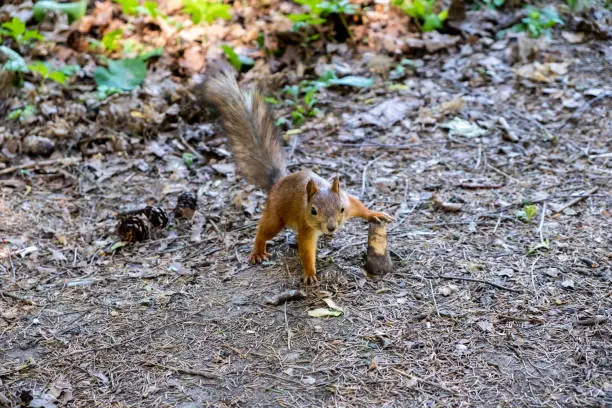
(22, 113)
(527, 212)
(423, 12)
(237, 61)
(46, 71)
(537, 22)
(303, 99)
(16, 29)
(15, 62)
(205, 10)
(110, 40)
(121, 75)
(74, 11)
(129, 7)
(319, 10)
(150, 8)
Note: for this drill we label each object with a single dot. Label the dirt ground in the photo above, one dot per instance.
(482, 309)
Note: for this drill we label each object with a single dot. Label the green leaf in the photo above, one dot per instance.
(129, 7)
(15, 62)
(351, 80)
(155, 52)
(297, 118)
(110, 39)
(150, 8)
(30, 35)
(58, 77)
(271, 100)
(74, 11)
(123, 74)
(69, 70)
(527, 212)
(233, 58)
(40, 68)
(432, 22)
(14, 28)
(208, 11)
(188, 159)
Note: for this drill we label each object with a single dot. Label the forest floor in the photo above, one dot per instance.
(504, 302)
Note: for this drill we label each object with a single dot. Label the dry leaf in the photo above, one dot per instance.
(324, 312)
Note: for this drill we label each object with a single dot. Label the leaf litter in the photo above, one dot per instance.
(136, 316)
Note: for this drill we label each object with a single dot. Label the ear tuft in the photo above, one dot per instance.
(336, 185)
(311, 189)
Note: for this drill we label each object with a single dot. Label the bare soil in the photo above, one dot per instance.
(482, 309)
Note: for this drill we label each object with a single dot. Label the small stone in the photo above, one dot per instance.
(552, 272)
(568, 284)
(506, 272)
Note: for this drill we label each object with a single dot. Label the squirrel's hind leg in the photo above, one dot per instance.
(269, 226)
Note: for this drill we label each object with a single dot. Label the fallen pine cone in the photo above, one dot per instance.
(156, 216)
(132, 228)
(186, 205)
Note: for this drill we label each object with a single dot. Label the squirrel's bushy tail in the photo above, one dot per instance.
(250, 128)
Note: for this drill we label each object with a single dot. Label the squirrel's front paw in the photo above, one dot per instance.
(258, 257)
(310, 279)
(380, 217)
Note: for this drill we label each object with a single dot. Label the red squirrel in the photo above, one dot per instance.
(302, 201)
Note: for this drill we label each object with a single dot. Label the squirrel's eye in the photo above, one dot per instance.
(313, 211)
(342, 210)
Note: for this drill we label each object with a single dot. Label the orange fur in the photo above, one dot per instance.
(302, 201)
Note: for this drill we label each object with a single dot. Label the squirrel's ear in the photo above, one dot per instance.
(336, 185)
(311, 189)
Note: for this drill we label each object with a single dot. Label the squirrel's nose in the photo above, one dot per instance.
(331, 228)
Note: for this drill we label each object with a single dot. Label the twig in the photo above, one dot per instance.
(365, 169)
(541, 227)
(287, 329)
(18, 298)
(502, 173)
(476, 186)
(13, 275)
(44, 163)
(419, 379)
(205, 374)
(575, 200)
(187, 145)
(461, 278)
(433, 296)
(532, 278)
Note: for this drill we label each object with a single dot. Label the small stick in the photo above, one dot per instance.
(189, 371)
(475, 186)
(502, 173)
(461, 278)
(433, 296)
(576, 200)
(540, 228)
(44, 163)
(365, 169)
(508, 133)
(412, 376)
(18, 298)
(187, 145)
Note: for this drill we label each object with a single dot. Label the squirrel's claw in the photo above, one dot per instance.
(381, 217)
(310, 280)
(258, 257)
